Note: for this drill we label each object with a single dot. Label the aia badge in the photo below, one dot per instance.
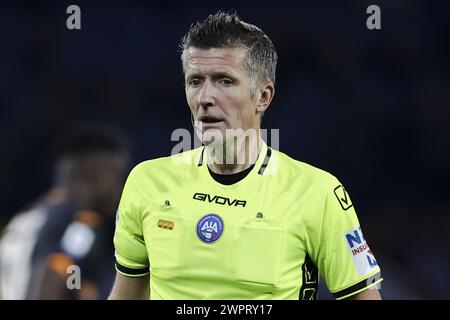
(210, 228)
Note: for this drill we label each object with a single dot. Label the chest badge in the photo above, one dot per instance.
(165, 224)
(210, 228)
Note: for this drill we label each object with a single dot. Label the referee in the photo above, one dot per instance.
(235, 219)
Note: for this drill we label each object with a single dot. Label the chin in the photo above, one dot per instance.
(212, 137)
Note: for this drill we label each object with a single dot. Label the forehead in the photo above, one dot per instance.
(214, 59)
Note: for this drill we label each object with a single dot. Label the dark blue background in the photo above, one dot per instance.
(372, 107)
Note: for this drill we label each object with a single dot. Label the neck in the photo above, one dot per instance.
(81, 195)
(234, 156)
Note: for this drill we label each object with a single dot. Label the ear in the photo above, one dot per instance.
(264, 97)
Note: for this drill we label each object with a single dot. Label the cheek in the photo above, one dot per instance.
(190, 100)
(236, 101)
(243, 106)
(248, 115)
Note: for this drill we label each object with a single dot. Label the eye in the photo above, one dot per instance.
(194, 82)
(226, 82)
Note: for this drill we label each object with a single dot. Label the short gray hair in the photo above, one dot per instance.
(227, 30)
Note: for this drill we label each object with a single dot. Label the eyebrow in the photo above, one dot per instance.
(215, 75)
(222, 74)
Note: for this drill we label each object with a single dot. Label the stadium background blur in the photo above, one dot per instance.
(372, 107)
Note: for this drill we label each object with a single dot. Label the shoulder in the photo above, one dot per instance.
(170, 163)
(146, 174)
(299, 170)
(58, 217)
(66, 224)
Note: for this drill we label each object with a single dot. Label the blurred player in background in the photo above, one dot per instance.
(214, 227)
(71, 225)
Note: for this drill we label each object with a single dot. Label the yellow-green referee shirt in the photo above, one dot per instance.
(267, 236)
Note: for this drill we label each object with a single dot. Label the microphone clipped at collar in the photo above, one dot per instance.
(196, 128)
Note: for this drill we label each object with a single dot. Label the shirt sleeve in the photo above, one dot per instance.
(345, 260)
(130, 250)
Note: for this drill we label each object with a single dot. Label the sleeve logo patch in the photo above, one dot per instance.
(343, 197)
(362, 256)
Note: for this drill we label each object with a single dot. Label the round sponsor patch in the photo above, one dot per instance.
(210, 228)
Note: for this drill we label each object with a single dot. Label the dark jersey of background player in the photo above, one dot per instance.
(61, 246)
(72, 236)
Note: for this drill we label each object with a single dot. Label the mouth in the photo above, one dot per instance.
(210, 119)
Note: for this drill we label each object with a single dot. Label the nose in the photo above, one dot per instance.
(206, 96)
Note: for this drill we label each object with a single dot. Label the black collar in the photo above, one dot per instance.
(228, 179)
